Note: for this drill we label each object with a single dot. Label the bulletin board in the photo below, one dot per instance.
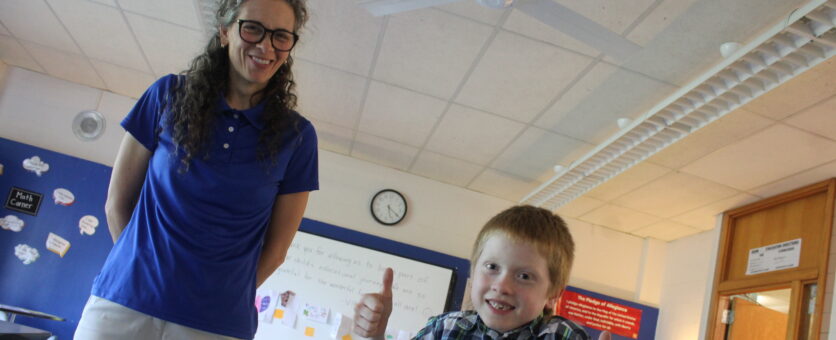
(50, 200)
(596, 312)
(328, 268)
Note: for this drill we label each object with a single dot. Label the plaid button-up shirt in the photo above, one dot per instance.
(468, 326)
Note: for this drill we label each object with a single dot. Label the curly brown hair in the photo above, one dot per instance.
(194, 105)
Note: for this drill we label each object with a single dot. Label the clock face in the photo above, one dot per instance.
(388, 207)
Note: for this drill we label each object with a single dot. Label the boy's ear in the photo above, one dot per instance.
(552, 301)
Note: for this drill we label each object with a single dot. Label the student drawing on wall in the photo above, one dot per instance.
(209, 186)
(286, 298)
(520, 264)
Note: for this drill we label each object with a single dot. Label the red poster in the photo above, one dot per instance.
(600, 314)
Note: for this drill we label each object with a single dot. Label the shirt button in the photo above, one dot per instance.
(226, 145)
(235, 116)
(231, 129)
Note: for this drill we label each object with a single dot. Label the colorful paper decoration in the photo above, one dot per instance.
(36, 165)
(63, 197)
(57, 244)
(12, 222)
(26, 253)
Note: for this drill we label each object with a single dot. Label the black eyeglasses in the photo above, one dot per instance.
(254, 32)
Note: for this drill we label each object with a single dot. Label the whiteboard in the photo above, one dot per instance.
(327, 272)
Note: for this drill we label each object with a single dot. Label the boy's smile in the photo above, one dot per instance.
(510, 283)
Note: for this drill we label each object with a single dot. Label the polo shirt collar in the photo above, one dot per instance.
(475, 321)
(253, 114)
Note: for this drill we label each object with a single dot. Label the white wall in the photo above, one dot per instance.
(38, 110)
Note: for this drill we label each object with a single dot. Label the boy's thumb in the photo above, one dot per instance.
(388, 277)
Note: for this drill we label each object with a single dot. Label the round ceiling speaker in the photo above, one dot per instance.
(88, 125)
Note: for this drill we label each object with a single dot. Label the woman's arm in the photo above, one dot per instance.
(287, 214)
(125, 183)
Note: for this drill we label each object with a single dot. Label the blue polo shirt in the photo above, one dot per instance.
(189, 253)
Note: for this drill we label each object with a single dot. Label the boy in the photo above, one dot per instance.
(520, 264)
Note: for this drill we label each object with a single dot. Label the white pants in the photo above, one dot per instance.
(106, 320)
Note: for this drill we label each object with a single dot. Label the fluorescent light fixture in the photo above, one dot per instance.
(797, 44)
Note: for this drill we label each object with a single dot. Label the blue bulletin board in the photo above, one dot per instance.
(70, 194)
(51, 283)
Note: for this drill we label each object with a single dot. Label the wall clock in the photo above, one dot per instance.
(388, 207)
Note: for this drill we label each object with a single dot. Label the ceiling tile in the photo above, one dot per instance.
(705, 217)
(819, 119)
(111, 3)
(4, 31)
(673, 194)
(666, 231)
(13, 53)
(472, 10)
(445, 169)
(619, 218)
(384, 152)
(109, 39)
(812, 86)
(632, 178)
(724, 131)
(579, 206)
(795, 181)
(121, 80)
(766, 156)
(614, 15)
(169, 48)
(429, 51)
(503, 81)
(472, 135)
(33, 20)
(502, 185)
(340, 34)
(590, 109)
(535, 153)
(64, 65)
(180, 12)
(690, 44)
(345, 93)
(333, 137)
(388, 115)
(659, 20)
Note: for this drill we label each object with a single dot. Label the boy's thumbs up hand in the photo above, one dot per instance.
(371, 314)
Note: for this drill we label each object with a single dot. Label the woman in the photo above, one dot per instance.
(209, 186)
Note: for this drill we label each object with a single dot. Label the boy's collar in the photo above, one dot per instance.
(476, 321)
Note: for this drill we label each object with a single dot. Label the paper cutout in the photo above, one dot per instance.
(12, 222)
(63, 197)
(265, 303)
(315, 313)
(278, 314)
(88, 224)
(36, 165)
(26, 253)
(346, 337)
(289, 319)
(57, 244)
(309, 331)
(287, 298)
(341, 327)
(287, 302)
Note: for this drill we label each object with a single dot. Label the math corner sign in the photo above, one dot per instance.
(25, 201)
(600, 314)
